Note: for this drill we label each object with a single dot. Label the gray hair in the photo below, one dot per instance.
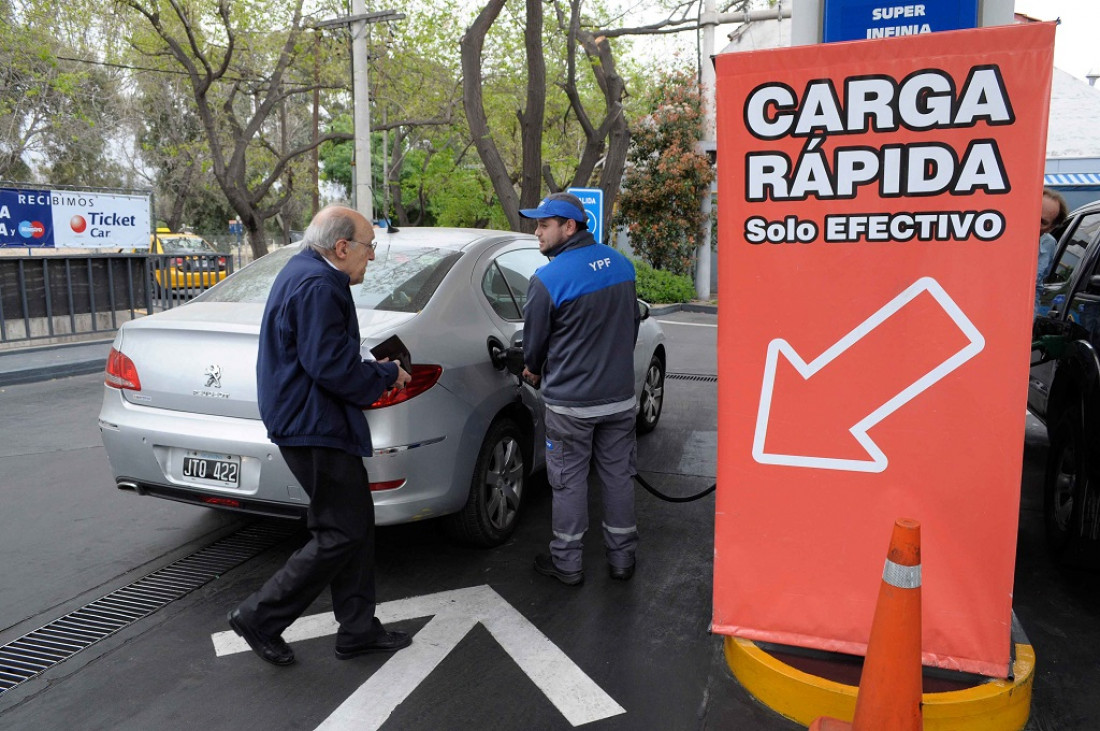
(329, 226)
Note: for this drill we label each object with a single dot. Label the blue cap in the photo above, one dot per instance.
(565, 205)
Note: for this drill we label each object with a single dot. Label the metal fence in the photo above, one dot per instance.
(72, 296)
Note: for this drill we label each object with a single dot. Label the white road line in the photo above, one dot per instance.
(686, 324)
(454, 613)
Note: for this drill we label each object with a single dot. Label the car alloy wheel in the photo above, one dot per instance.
(1066, 484)
(496, 489)
(652, 397)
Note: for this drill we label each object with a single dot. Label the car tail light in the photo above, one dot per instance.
(387, 485)
(121, 372)
(222, 502)
(423, 378)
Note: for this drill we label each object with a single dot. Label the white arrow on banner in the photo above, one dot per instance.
(454, 613)
(878, 460)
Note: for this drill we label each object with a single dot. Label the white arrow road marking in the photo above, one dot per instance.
(454, 613)
(878, 461)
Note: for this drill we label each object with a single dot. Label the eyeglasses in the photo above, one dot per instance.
(373, 244)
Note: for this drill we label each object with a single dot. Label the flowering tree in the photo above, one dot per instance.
(666, 178)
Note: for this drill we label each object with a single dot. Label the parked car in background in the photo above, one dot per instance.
(179, 418)
(1064, 385)
(185, 262)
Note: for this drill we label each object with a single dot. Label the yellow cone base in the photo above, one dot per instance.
(997, 705)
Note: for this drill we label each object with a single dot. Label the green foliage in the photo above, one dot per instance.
(233, 140)
(659, 286)
(665, 183)
(337, 156)
(61, 119)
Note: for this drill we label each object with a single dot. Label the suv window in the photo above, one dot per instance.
(1071, 254)
(1067, 259)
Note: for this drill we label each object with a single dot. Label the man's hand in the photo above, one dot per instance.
(403, 379)
(532, 378)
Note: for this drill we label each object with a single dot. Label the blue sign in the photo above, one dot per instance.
(26, 218)
(592, 199)
(853, 20)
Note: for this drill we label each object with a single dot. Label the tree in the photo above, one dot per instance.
(243, 76)
(53, 106)
(661, 202)
(172, 146)
(606, 136)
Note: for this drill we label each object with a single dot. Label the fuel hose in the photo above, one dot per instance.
(670, 498)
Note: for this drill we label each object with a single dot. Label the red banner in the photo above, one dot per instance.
(878, 229)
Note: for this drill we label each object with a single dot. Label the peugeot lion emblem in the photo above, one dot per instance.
(213, 376)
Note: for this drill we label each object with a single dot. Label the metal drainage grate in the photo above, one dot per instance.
(703, 377)
(36, 651)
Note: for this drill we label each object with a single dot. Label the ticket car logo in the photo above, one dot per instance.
(31, 229)
(78, 224)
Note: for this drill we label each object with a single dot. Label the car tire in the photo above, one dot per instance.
(1066, 484)
(496, 489)
(652, 396)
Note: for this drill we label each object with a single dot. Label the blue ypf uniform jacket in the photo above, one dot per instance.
(580, 324)
(312, 383)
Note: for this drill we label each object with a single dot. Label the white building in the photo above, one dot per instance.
(1073, 139)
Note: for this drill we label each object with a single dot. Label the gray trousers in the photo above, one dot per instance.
(610, 443)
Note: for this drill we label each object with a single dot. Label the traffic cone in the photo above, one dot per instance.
(890, 685)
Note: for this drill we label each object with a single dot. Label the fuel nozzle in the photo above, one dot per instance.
(1051, 346)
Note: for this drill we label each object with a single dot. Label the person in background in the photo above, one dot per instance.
(1053, 214)
(312, 385)
(580, 324)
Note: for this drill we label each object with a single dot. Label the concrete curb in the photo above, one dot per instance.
(49, 373)
(659, 310)
(31, 365)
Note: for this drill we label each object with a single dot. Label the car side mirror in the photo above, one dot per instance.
(1093, 286)
(643, 310)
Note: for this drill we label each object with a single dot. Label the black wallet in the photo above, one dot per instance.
(395, 350)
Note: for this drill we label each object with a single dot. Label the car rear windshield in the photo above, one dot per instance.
(186, 245)
(400, 279)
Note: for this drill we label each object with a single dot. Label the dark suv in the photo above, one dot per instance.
(1064, 386)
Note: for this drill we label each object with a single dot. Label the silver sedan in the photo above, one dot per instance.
(179, 417)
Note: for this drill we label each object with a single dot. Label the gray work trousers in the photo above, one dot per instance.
(571, 444)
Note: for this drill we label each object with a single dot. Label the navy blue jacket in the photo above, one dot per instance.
(580, 324)
(312, 383)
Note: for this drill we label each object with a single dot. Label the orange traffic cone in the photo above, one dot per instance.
(890, 685)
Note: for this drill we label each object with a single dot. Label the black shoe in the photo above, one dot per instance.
(544, 564)
(385, 642)
(273, 649)
(622, 573)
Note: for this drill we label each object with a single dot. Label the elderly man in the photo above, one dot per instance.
(312, 385)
